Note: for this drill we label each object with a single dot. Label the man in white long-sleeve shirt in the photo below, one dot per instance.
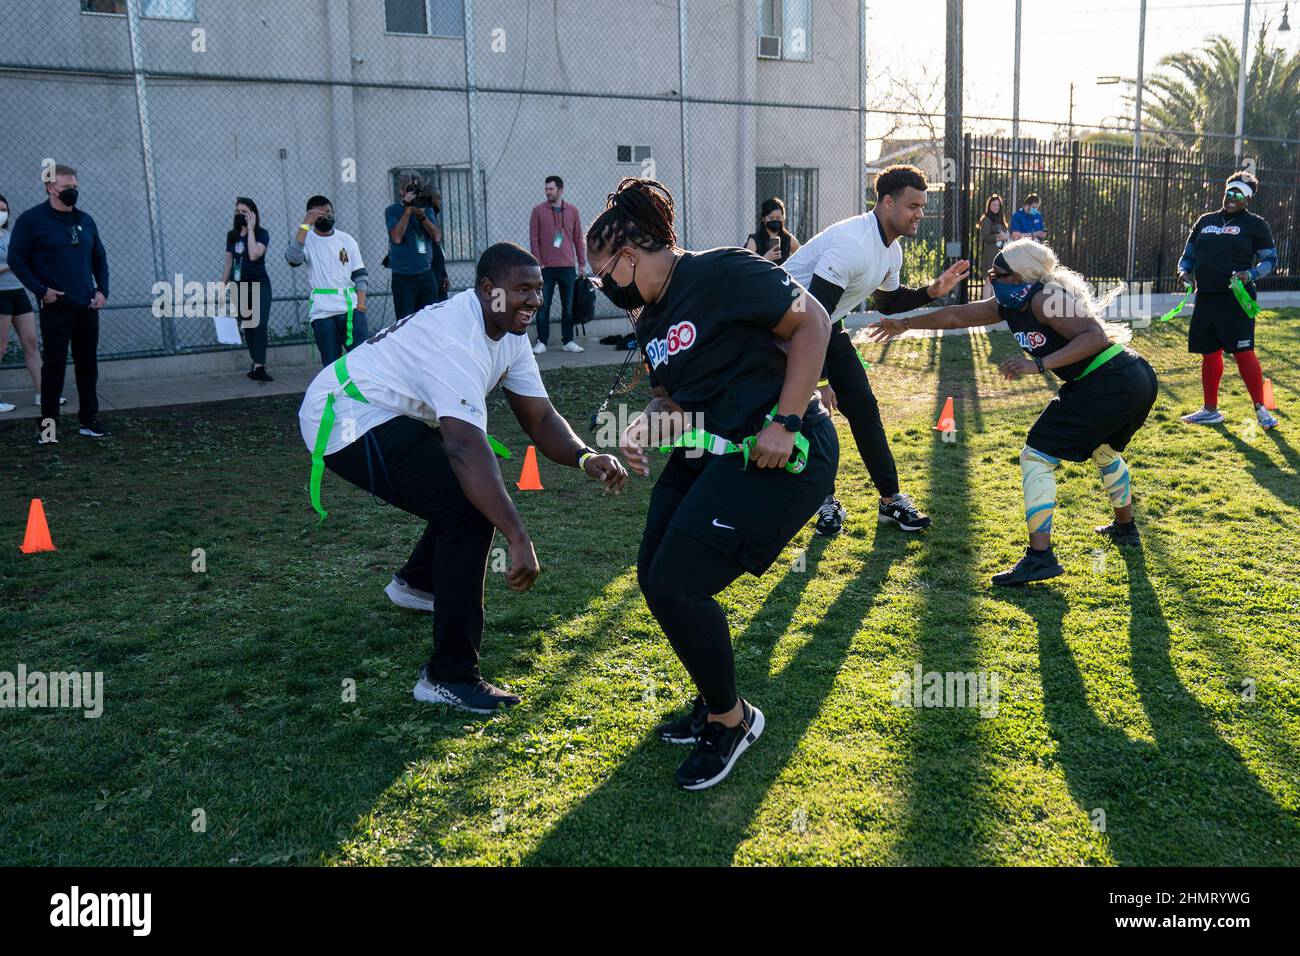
(338, 280)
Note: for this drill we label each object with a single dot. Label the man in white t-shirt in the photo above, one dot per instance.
(404, 416)
(338, 280)
(842, 266)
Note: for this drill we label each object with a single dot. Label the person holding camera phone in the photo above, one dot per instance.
(338, 280)
(412, 238)
(246, 243)
(772, 241)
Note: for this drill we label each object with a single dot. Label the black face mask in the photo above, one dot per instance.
(68, 196)
(625, 297)
(773, 226)
(240, 220)
(324, 224)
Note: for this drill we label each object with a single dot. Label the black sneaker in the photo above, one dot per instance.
(1034, 566)
(477, 698)
(718, 748)
(903, 513)
(1123, 534)
(259, 374)
(830, 517)
(687, 728)
(95, 429)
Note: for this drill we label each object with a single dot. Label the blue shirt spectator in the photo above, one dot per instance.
(1027, 222)
(59, 250)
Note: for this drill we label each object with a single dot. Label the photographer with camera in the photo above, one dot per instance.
(411, 246)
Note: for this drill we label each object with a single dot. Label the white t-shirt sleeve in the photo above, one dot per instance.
(840, 262)
(523, 377)
(891, 280)
(354, 253)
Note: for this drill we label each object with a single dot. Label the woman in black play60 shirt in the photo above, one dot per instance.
(734, 348)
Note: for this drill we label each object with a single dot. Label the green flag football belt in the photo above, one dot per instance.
(717, 445)
(348, 298)
(1101, 358)
(327, 426)
(1248, 305)
(1177, 310)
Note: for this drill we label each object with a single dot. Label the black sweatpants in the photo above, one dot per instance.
(61, 324)
(255, 335)
(858, 404)
(403, 462)
(413, 293)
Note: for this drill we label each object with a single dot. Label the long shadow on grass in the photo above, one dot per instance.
(944, 809)
(1185, 799)
(1265, 471)
(639, 816)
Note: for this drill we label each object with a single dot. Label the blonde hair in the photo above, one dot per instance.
(1035, 261)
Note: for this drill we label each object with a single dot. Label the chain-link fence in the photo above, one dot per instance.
(170, 109)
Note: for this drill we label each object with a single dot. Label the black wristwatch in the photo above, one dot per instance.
(1039, 363)
(791, 423)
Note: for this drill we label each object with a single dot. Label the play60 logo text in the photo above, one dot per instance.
(680, 337)
(1031, 340)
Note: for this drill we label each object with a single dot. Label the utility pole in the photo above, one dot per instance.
(952, 144)
(1015, 119)
(1241, 81)
(1070, 137)
(1137, 148)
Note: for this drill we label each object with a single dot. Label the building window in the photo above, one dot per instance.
(791, 20)
(632, 154)
(797, 188)
(455, 216)
(154, 9)
(438, 18)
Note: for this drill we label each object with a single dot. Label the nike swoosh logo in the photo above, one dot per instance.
(785, 281)
(719, 524)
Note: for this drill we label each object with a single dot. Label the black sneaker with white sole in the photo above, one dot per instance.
(687, 728)
(718, 748)
(95, 429)
(901, 511)
(1034, 566)
(477, 698)
(830, 517)
(1122, 534)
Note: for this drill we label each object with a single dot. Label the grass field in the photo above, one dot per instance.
(1158, 686)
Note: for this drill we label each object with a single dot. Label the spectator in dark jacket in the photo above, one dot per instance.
(56, 253)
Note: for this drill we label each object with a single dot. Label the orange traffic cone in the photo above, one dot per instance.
(947, 422)
(530, 480)
(1268, 395)
(38, 532)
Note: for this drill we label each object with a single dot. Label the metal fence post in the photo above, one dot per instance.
(471, 120)
(146, 152)
(682, 49)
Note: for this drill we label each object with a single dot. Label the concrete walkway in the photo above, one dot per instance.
(220, 376)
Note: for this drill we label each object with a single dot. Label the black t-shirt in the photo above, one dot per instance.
(1224, 244)
(243, 269)
(763, 239)
(709, 341)
(1041, 340)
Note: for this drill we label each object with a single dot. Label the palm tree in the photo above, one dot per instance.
(1195, 91)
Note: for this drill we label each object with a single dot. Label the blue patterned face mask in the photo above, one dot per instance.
(1014, 295)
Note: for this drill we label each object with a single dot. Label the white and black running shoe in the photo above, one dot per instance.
(477, 698)
(830, 517)
(901, 511)
(95, 429)
(687, 728)
(404, 595)
(718, 748)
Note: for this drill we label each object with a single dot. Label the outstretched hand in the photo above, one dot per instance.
(886, 329)
(947, 280)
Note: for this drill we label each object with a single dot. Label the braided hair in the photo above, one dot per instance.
(639, 213)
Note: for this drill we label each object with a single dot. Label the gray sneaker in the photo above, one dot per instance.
(1265, 417)
(477, 698)
(1204, 417)
(403, 595)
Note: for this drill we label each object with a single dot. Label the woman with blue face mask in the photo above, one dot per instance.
(1107, 391)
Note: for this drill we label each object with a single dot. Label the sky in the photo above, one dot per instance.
(1062, 42)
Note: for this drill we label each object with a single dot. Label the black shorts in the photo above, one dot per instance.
(1218, 322)
(751, 513)
(1104, 408)
(14, 302)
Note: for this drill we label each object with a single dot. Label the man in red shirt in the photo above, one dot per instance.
(556, 241)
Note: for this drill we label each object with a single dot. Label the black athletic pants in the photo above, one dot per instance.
(858, 404)
(413, 293)
(403, 462)
(62, 324)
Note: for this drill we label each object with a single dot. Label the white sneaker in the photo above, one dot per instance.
(1265, 417)
(539, 348)
(573, 347)
(403, 595)
(1203, 417)
(37, 403)
(6, 407)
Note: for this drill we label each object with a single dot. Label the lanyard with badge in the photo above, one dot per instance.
(558, 214)
(420, 246)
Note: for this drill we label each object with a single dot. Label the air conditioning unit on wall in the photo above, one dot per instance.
(769, 48)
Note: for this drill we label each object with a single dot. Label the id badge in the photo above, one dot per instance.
(559, 238)
(238, 270)
(420, 247)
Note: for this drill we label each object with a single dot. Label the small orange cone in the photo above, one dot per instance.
(1268, 395)
(38, 532)
(530, 480)
(947, 422)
